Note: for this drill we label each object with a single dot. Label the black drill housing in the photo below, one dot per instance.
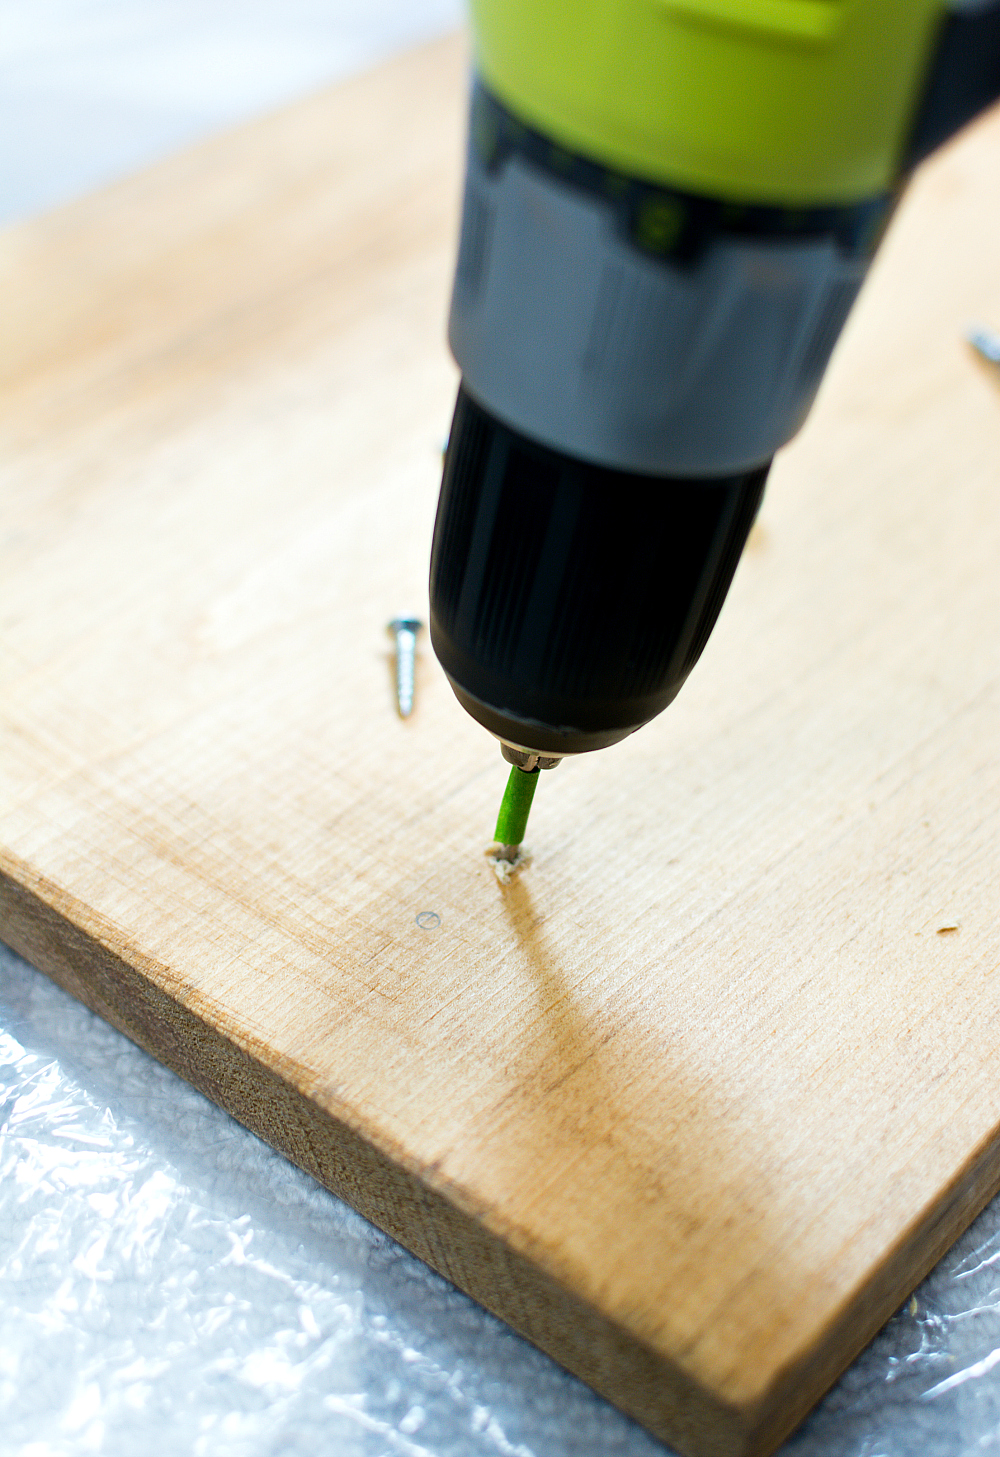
(569, 601)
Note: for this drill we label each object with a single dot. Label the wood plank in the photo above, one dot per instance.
(696, 1099)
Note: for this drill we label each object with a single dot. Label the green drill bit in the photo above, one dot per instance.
(514, 809)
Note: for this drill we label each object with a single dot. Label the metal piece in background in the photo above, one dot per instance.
(986, 343)
(405, 630)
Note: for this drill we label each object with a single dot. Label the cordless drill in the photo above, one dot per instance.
(670, 207)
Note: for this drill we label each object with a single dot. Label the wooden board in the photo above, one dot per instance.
(697, 1099)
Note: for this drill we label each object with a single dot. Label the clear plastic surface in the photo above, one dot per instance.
(170, 1284)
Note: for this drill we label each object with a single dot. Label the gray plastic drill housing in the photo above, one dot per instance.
(568, 333)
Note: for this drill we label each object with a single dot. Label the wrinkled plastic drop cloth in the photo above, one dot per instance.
(169, 1284)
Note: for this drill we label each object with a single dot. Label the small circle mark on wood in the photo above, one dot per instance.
(427, 920)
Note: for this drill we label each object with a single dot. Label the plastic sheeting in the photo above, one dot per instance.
(170, 1284)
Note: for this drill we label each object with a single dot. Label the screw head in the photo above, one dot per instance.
(404, 624)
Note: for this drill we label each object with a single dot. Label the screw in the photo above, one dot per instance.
(986, 343)
(405, 630)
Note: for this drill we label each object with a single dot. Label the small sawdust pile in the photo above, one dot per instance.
(504, 866)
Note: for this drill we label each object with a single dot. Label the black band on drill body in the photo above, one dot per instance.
(569, 602)
(666, 222)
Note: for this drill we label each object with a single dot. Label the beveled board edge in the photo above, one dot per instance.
(919, 1248)
(638, 1380)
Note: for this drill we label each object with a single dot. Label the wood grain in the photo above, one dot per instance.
(697, 1098)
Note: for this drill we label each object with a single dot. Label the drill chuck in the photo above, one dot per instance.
(569, 601)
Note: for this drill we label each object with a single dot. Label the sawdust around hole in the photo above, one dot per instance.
(503, 868)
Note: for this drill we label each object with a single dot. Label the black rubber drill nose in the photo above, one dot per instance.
(570, 601)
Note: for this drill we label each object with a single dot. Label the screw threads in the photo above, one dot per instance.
(405, 630)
